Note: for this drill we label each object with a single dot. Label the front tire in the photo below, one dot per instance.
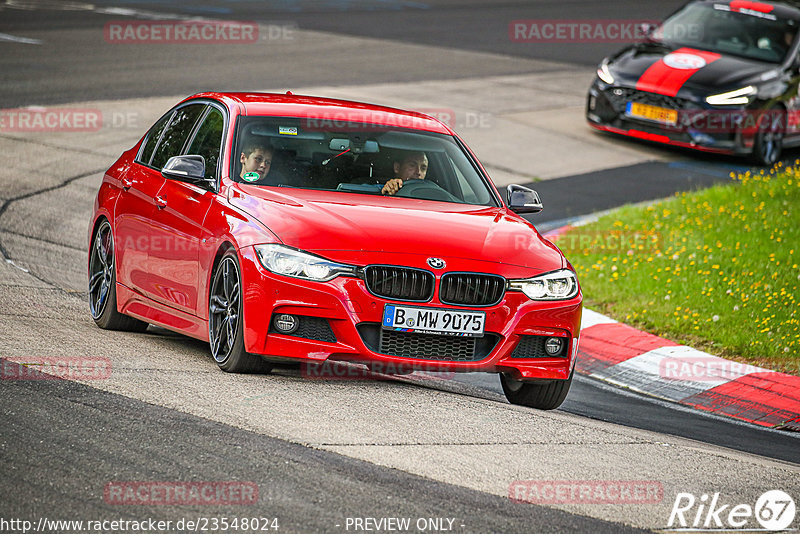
(225, 321)
(103, 284)
(544, 395)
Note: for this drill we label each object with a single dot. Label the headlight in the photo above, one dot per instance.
(558, 285)
(287, 261)
(731, 98)
(604, 74)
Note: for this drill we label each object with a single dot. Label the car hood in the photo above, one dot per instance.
(352, 227)
(643, 66)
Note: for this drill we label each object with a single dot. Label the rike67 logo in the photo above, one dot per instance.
(774, 511)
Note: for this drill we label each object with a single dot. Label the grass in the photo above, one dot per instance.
(716, 269)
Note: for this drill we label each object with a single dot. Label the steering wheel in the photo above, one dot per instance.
(425, 190)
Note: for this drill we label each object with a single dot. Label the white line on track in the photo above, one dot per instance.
(68, 6)
(31, 5)
(60, 5)
(5, 37)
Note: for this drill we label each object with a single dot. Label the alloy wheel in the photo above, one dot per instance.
(224, 309)
(101, 269)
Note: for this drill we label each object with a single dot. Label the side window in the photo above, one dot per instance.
(176, 134)
(152, 138)
(207, 141)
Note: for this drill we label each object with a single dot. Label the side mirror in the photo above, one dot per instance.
(523, 200)
(648, 28)
(188, 168)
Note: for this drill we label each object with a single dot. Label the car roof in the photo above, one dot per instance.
(324, 109)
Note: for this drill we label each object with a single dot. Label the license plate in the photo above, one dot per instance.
(434, 321)
(652, 113)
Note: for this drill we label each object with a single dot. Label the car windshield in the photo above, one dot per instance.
(352, 157)
(719, 28)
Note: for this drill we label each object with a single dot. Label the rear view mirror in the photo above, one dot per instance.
(523, 200)
(339, 144)
(356, 145)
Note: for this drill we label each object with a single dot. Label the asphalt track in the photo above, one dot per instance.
(82, 437)
(122, 72)
(313, 489)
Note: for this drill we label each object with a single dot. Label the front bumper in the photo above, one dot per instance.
(344, 321)
(699, 127)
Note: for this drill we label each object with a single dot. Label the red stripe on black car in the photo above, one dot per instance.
(665, 80)
(738, 5)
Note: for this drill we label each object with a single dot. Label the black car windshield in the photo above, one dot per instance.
(723, 29)
(352, 157)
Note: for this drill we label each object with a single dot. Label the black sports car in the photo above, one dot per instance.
(717, 76)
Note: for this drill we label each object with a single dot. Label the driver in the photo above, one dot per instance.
(414, 166)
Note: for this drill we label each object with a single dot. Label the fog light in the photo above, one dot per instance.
(553, 345)
(285, 323)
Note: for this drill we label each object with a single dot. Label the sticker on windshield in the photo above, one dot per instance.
(287, 130)
(251, 177)
(684, 61)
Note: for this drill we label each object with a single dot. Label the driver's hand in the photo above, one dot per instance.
(392, 186)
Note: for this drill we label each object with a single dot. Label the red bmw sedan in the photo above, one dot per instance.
(283, 228)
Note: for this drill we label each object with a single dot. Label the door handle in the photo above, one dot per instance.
(161, 202)
(126, 184)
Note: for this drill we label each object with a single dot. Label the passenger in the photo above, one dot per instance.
(256, 159)
(414, 166)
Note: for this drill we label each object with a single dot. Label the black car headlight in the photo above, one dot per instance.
(604, 73)
(288, 261)
(738, 97)
(557, 285)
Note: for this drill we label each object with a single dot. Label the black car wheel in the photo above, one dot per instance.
(542, 395)
(103, 284)
(768, 143)
(225, 321)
